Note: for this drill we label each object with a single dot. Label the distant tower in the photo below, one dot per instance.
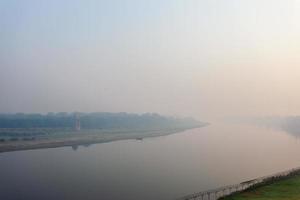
(77, 122)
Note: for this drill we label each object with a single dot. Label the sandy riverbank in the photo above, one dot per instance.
(85, 138)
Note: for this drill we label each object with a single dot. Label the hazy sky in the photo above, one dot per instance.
(198, 58)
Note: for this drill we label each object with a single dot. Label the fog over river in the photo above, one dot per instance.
(164, 167)
(209, 60)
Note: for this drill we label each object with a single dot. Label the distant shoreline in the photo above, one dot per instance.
(87, 138)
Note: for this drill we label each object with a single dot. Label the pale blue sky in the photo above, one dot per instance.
(188, 57)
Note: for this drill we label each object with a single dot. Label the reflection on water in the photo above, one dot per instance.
(155, 168)
(75, 147)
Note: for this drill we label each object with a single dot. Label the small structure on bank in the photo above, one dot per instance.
(77, 122)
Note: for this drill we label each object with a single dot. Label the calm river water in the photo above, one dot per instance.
(165, 167)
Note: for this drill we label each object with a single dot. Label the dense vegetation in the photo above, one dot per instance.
(22, 126)
(93, 121)
(290, 124)
(287, 189)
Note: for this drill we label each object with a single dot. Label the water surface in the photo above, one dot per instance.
(155, 168)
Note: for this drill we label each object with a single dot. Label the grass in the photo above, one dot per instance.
(287, 189)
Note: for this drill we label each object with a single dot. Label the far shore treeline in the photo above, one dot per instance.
(99, 120)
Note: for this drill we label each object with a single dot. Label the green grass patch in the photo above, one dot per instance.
(287, 189)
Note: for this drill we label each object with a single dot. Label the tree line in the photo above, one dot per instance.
(99, 120)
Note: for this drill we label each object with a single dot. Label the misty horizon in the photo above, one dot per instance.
(205, 59)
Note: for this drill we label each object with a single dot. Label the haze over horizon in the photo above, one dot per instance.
(206, 59)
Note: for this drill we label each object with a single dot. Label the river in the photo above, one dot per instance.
(157, 168)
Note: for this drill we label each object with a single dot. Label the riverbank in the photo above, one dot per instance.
(231, 192)
(86, 137)
(286, 189)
